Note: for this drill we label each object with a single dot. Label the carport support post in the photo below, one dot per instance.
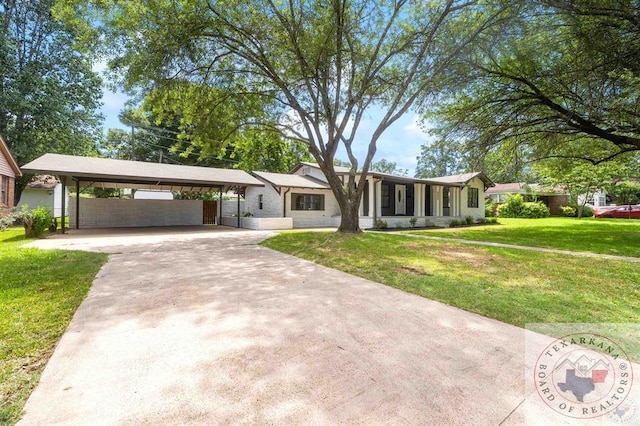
(63, 203)
(238, 192)
(78, 204)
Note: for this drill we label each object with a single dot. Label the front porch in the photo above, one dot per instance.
(404, 221)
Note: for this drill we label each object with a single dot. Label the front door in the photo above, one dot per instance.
(401, 200)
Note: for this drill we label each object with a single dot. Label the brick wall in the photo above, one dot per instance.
(555, 201)
(116, 213)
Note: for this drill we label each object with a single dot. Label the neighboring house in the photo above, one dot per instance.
(142, 194)
(303, 199)
(9, 170)
(44, 191)
(553, 198)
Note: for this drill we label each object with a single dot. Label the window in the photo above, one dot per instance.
(446, 203)
(386, 196)
(259, 201)
(307, 202)
(472, 198)
(4, 191)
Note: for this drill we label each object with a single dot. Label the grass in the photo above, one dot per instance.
(40, 291)
(510, 285)
(605, 236)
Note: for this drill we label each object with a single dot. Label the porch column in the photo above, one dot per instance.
(418, 199)
(437, 196)
(372, 197)
(378, 198)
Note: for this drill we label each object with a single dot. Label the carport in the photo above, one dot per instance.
(87, 172)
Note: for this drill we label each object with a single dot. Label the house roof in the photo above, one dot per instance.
(140, 174)
(4, 149)
(43, 182)
(339, 169)
(463, 179)
(524, 188)
(291, 181)
(506, 187)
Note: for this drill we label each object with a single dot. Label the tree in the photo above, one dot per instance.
(440, 158)
(390, 167)
(318, 65)
(562, 82)
(582, 180)
(626, 192)
(49, 95)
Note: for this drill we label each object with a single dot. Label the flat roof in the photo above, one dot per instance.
(138, 174)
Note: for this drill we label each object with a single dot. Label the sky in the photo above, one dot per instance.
(400, 143)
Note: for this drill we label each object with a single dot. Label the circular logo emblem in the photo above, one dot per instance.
(583, 375)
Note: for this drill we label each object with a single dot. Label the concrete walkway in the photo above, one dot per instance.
(216, 329)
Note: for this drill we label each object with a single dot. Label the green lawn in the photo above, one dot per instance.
(511, 285)
(606, 236)
(39, 292)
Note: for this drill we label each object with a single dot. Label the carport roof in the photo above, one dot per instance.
(91, 169)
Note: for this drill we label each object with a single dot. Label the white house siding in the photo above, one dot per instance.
(39, 197)
(313, 218)
(465, 210)
(271, 201)
(117, 213)
(314, 172)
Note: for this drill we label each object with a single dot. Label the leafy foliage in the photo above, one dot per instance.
(307, 70)
(560, 80)
(626, 192)
(49, 95)
(567, 211)
(36, 221)
(516, 207)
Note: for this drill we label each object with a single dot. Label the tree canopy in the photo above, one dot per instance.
(49, 94)
(561, 81)
(313, 68)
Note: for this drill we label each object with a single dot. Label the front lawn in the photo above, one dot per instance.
(40, 291)
(510, 285)
(605, 236)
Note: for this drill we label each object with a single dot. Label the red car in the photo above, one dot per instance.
(624, 212)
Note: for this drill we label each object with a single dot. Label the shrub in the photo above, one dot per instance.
(246, 214)
(8, 217)
(380, 224)
(587, 211)
(468, 220)
(535, 210)
(37, 221)
(491, 220)
(481, 220)
(567, 211)
(455, 223)
(515, 206)
(413, 221)
(489, 207)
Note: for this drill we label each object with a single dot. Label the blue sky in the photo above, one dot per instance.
(400, 143)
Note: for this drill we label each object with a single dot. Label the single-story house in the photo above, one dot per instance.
(303, 199)
(553, 198)
(44, 191)
(298, 199)
(9, 170)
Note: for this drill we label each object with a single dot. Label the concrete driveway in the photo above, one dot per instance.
(199, 328)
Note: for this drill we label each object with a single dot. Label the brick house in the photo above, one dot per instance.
(9, 170)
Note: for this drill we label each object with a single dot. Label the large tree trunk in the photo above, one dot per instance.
(349, 217)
